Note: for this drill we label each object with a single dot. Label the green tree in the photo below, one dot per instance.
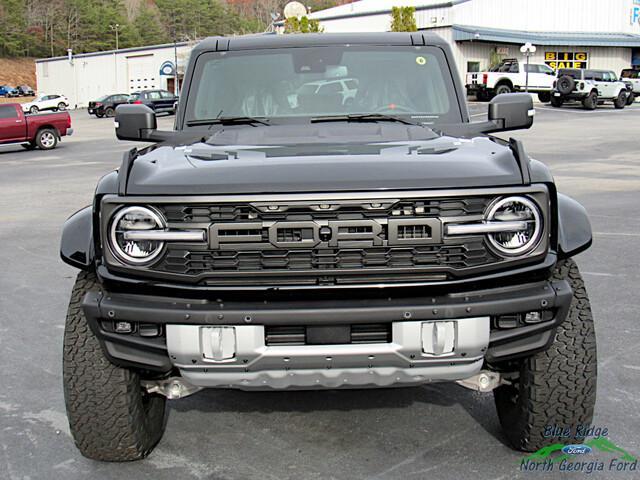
(403, 19)
(302, 25)
(149, 27)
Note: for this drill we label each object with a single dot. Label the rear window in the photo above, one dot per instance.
(571, 72)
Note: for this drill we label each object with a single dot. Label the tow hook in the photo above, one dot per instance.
(172, 388)
(485, 381)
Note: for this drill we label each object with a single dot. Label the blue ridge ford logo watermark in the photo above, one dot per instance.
(576, 449)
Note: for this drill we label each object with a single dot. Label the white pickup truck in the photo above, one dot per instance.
(511, 76)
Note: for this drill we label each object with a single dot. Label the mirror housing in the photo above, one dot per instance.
(511, 111)
(135, 122)
(138, 123)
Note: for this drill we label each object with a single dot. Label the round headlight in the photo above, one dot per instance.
(521, 212)
(135, 219)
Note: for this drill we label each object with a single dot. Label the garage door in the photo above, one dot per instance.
(141, 73)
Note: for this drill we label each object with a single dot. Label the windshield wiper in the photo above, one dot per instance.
(361, 117)
(227, 121)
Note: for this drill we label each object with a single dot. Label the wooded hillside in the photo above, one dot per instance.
(45, 28)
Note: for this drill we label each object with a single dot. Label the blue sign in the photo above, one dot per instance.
(168, 69)
(576, 449)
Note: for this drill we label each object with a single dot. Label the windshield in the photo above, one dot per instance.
(630, 73)
(294, 83)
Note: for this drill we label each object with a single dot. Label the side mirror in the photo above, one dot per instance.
(135, 122)
(138, 123)
(511, 111)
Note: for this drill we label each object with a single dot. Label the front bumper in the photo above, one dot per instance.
(180, 322)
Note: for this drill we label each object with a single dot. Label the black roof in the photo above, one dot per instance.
(247, 42)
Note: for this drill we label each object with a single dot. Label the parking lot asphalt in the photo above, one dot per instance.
(439, 431)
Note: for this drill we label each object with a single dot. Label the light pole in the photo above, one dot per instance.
(528, 49)
(115, 27)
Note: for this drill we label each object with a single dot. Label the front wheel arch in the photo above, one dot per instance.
(76, 245)
(574, 227)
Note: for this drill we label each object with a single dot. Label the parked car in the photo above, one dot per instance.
(511, 76)
(160, 101)
(46, 102)
(25, 91)
(631, 76)
(588, 86)
(7, 91)
(276, 247)
(345, 87)
(106, 106)
(31, 131)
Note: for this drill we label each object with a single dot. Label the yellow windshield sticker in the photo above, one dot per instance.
(421, 60)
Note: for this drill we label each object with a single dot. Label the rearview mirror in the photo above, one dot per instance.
(511, 111)
(138, 123)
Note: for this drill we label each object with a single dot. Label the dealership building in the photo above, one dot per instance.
(88, 76)
(602, 34)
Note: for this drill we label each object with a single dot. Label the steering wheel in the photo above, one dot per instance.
(394, 107)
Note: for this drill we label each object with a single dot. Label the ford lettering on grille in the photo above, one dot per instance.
(325, 234)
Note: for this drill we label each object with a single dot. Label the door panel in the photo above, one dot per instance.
(12, 125)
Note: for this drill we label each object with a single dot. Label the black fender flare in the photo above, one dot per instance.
(574, 227)
(76, 245)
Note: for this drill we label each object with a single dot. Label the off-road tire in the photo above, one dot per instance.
(109, 417)
(109, 112)
(544, 97)
(631, 98)
(503, 88)
(99, 115)
(621, 100)
(556, 386)
(590, 102)
(565, 84)
(557, 102)
(483, 96)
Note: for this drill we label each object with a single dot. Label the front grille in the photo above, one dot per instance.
(356, 334)
(325, 242)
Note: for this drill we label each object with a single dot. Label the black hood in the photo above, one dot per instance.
(322, 158)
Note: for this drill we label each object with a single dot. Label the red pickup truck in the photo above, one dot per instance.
(31, 131)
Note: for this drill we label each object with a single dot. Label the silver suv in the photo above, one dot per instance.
(591, 87)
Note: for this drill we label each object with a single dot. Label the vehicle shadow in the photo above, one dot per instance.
(434, 398)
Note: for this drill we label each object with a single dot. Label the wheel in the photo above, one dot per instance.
(565, 84)
(62, 106)
(99, 115)
(482, 96)
(556, 101)
(590, 102)
(110, 417)
(33, 110)
(109, 112)
(556, 386)
(631, 98)
(503, 88)
(621, 100)
(46, 139)
(544, 97)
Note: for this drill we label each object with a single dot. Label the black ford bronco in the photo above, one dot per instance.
(325, 215)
